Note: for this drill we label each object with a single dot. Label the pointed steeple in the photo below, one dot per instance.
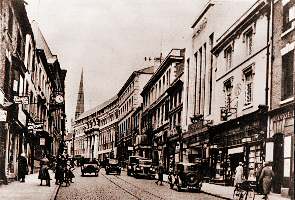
(80, 100)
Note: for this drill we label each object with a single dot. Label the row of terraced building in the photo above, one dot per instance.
(226, 96)
(31, 120)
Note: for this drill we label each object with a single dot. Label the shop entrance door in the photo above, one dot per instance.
(278, 161)
(234, 161)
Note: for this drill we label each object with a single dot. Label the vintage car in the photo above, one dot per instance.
(144, 168)
(133, 160)
(89, 168)
(112, 166)
(188, 176)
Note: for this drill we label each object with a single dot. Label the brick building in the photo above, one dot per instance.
(280, 137)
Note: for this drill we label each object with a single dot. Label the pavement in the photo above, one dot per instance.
(226, 192)
(30, 189)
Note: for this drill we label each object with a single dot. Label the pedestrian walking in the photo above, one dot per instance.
(160, 175)
(239, 174)
(266, 179)
(258, 173)
(23, 169)
(44, 173)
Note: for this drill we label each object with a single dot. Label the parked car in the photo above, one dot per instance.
(144, 168)
(89, 168)
(112, 166)
(133, 160)
(187, 176)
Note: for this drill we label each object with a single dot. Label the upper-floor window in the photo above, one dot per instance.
(288, 15)
(248, 79)
(249, 41)
(287, 75)
(228, 57)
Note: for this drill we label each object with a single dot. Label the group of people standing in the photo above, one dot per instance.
(263, 177)
(60, 165)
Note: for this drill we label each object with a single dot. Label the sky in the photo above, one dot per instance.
(109, 39)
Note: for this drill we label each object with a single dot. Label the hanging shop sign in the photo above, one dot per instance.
(37, 126)
(3, 115)
(130, 148)
(42, 141)
(21, 100)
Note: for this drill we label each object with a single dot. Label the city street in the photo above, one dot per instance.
(121, 187)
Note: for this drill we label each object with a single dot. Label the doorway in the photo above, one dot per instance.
(278, 161)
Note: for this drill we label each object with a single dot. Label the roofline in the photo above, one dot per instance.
(161, 67)
(248, 15)
(132, 76)
(111, 100)
(203, 12)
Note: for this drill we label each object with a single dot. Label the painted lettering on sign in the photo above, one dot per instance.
(285, 115)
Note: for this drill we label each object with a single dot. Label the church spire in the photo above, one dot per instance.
(80, 100)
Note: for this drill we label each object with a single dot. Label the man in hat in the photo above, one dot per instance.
(239, 174)
(22, 167)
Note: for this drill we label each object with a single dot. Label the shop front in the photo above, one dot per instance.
(238, 140)
(280, 148)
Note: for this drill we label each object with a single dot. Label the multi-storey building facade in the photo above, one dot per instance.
(162, 108)
(242, 64)
(280, 136)
(108, 130)
(28, 88)
(94, 131)
(129, 100)
(199, 98)
(14, 29)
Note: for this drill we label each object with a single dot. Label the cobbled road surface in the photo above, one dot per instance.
(114, 187)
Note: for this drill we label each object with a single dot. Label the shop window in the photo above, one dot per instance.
(228, 57)
(248, 80)
(287, 75)
(288, 15)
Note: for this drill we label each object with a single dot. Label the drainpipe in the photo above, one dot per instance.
(268, 56)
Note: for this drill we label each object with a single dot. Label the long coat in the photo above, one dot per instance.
(22, 167)
(266, 178)
(239, 175)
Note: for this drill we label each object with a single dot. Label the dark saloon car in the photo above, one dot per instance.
(90, 168)
(188, 176)
(112, 166)
(132, 162)
(144, 168)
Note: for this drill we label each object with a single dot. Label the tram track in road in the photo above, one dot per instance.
(133, 190)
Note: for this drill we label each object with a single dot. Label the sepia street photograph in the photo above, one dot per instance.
(147, 99)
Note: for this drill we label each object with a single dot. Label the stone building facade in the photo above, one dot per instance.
(129, 100)
(162, 109)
